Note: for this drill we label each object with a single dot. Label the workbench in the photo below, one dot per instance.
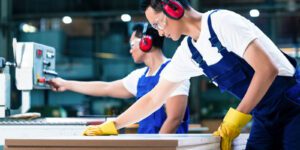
(44, 127)
(123, 142)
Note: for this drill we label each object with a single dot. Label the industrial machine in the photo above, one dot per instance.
(4, 87)
(34, 64)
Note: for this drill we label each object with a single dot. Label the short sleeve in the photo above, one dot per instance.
(130, 81)
(181, 66)
(183, 89)
(235, 31)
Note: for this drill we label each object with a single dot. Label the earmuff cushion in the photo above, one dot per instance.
(146, 43)
(173, 9)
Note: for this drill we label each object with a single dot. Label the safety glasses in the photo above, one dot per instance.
(160, 23)
(134, 42)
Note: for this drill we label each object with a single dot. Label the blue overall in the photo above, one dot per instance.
(276, 118)
(154, 122)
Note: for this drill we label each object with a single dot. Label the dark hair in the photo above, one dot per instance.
(157, 4)
(157, 41)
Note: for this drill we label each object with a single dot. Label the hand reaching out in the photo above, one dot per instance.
(58, 84)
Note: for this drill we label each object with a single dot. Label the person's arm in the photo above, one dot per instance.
(147, 104)
(114, 89)
(175, 109)
(242, 38)
(265, 73)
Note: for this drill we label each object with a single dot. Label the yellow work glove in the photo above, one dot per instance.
(106, 128)
(231, 127)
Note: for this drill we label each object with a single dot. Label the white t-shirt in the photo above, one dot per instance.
(235, 33)
(131, 81)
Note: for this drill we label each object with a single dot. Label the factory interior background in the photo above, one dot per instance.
(91, 38)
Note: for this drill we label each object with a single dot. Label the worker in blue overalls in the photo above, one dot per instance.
(146, 47)
(239, 58)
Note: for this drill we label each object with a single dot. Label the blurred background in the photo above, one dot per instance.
(91, 38)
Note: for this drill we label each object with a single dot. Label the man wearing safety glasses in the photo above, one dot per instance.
(146, 47)
(240, 59)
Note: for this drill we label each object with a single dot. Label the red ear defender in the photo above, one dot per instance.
(173, 9)
(146, 43)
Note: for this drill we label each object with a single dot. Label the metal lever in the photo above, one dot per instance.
(14, 45)
(4, 63)
(50, 72)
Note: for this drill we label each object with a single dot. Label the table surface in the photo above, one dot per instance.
(155, 140)
(123, 141)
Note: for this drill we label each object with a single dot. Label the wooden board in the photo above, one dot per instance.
(124, 142)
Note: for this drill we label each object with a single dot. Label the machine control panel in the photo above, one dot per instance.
(44, 66)
(35, 65)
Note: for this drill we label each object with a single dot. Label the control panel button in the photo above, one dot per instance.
(47, 63)
(42, 80)
(39, 53)
(50, 55)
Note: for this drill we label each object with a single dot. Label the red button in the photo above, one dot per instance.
(42, 80)
(39, 52)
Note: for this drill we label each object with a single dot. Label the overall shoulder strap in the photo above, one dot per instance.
(145, 73)
(196, 56)
(163, 66)
(214, 40)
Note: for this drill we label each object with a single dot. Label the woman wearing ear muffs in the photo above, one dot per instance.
(146, 47)
(240, 59)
